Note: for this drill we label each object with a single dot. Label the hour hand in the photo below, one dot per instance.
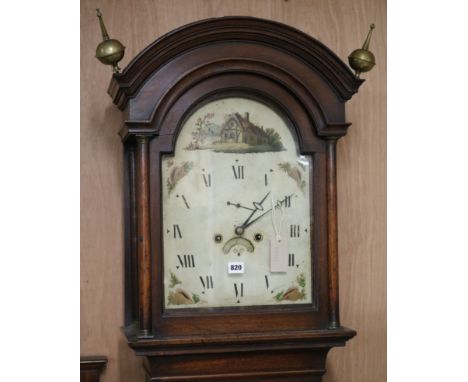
(239, 230)
(238, 205)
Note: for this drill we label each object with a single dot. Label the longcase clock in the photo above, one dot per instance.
(231, 258)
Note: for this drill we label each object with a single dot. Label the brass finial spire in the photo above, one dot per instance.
(109, 51)
(362, 60)
(105, 36)
(369, 35)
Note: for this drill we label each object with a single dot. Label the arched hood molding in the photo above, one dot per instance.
(251, 30)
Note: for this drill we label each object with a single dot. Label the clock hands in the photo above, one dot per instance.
(258, 207)
(239, 230)
(245, 225)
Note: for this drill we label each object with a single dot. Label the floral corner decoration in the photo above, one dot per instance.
(174, 281)
(177, 173)
(180, 296)
(295, 173)
(294, 293)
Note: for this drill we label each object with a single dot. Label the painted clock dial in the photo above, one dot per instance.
(235, 189)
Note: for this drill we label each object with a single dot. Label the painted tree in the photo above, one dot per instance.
(274, 139)
(200, 125)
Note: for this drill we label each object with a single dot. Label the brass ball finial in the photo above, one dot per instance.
(109, 51)
(362, 60)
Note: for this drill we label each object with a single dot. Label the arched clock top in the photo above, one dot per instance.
(219, 47)
(302, 118)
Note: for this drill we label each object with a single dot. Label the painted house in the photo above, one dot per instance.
(239, 129)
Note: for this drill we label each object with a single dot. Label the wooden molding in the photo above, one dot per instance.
(91, 368)
(250, 342)
(143, 236)
(233, 28)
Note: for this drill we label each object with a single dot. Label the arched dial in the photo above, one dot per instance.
(235, 183)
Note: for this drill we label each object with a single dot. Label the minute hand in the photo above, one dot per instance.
(255, 210)
(245, 225)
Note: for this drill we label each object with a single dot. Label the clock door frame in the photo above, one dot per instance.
(267, 61)
(240, 319)
(313, 148)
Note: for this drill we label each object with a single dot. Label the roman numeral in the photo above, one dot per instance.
(207, 179)
(176, 231)
(207, 282)
(267, 282)
(239, 290)
(294, 230)
(238, 172)
(185, 201)
(266, 180)
(291, 260)
(287, 201)
(186, 261)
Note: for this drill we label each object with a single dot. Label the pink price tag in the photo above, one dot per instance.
(278, 255)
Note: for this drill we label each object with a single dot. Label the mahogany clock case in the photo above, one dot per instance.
(265, 61)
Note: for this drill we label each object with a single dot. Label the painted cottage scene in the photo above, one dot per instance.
(237, 134)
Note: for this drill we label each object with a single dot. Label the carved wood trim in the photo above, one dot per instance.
(91, 368)
(250, 342)
(234, 28)
(144, 241)
(242, 376)
(332, 222)
(215, 72)
(131, 236)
